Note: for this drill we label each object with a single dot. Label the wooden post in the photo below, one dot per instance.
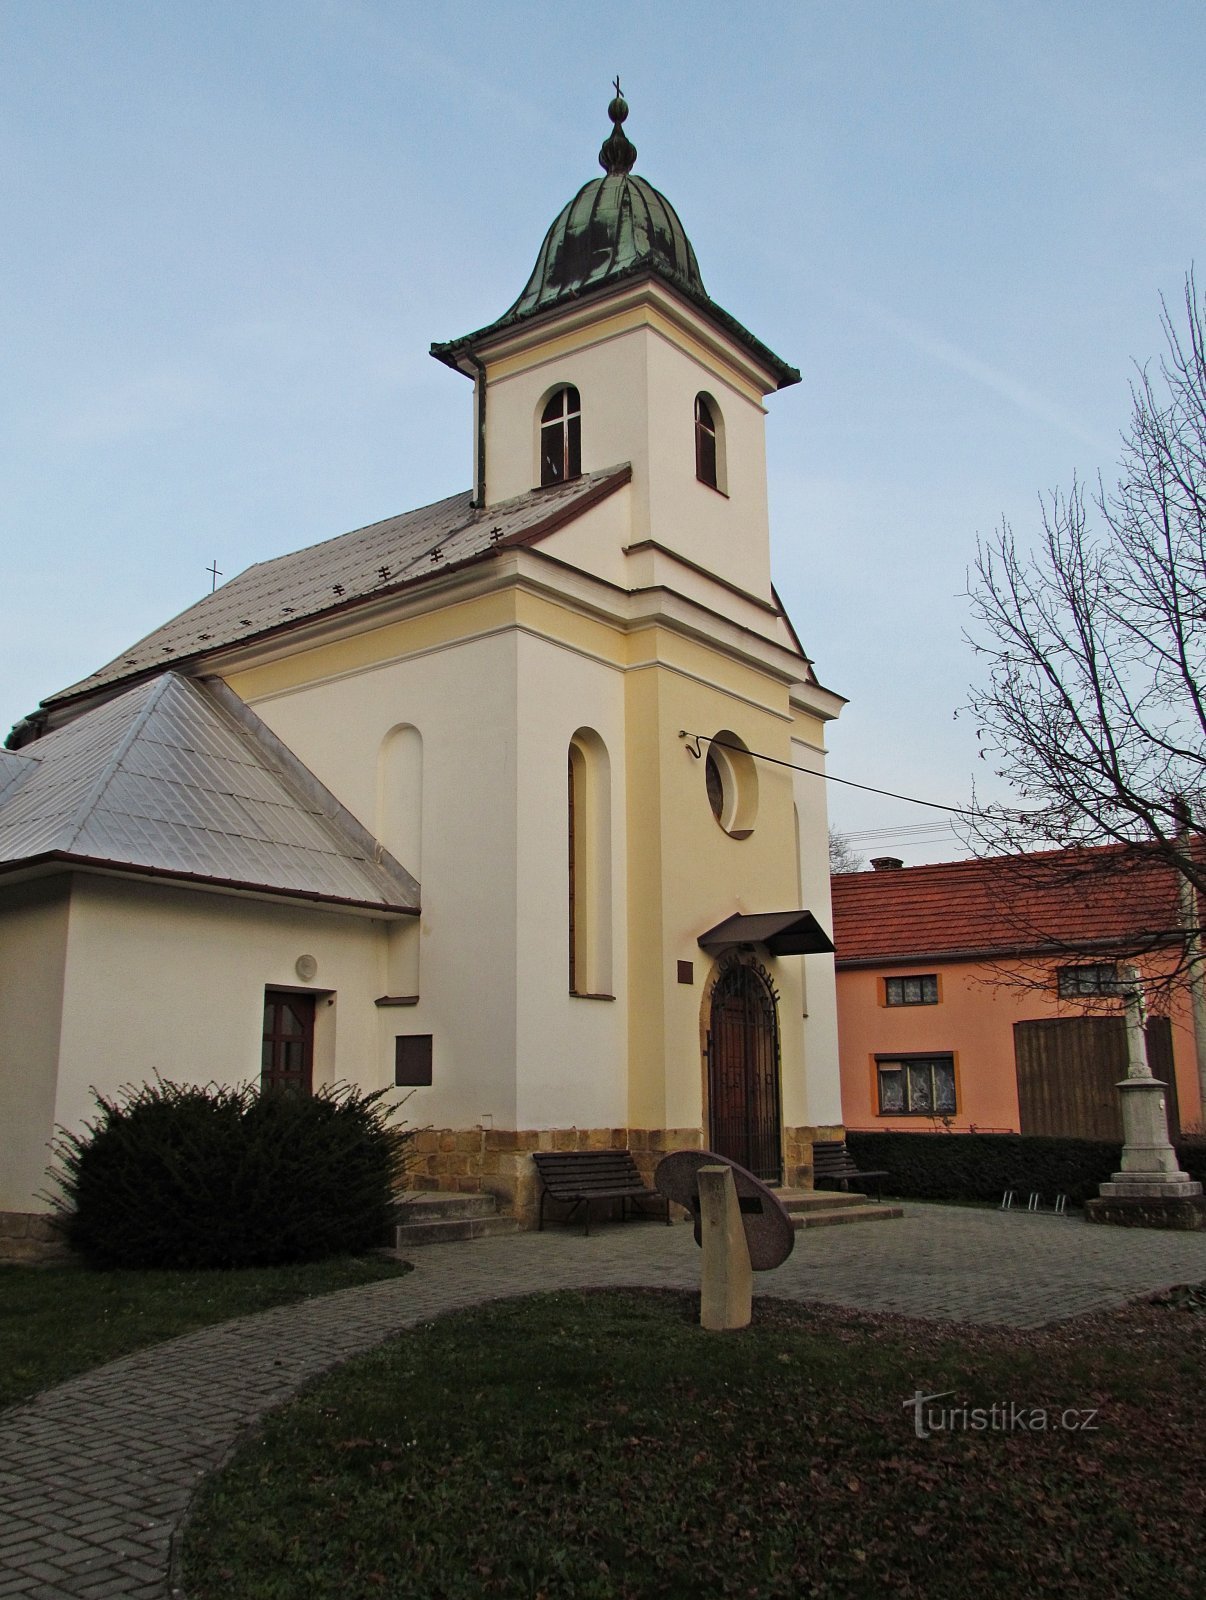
(726, 1298)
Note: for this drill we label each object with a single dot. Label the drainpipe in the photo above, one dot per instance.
(479, 386)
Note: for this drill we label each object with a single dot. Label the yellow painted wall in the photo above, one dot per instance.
(821, 1054)
(686, 875)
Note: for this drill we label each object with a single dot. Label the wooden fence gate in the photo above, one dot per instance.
(1068, 1069)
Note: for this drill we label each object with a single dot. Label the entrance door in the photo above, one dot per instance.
(743, 1072)
(288, 1056)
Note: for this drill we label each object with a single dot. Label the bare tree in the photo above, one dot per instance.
(843, 857)
(1093, 705)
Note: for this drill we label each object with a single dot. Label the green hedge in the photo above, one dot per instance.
(981, 1166)
(172, 1175)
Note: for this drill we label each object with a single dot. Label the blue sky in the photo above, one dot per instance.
(233, 229)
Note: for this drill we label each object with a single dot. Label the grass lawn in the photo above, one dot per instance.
(603, 1445)
(57, 1321)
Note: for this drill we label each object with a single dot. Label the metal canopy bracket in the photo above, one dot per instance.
(784, 933)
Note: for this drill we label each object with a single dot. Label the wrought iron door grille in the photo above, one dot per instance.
(743, 1072)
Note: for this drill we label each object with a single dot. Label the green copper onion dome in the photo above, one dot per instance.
(614, 225)
(616, 228)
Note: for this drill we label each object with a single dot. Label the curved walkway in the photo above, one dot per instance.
(96, 1475)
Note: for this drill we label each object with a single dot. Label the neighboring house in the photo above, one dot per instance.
(982, 994)
(414, 807)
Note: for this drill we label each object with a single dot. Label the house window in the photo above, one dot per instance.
(916, 1086)
(287, 1060)
(561, 437)
(705, 442)
(1097, 978)
(921, 991)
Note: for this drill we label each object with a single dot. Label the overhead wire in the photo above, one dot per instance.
(849, 783)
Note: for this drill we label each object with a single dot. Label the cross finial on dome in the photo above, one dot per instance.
(618, 154)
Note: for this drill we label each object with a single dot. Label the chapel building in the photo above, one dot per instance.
(510, 801)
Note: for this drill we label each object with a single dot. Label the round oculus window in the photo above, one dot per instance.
(731, 782)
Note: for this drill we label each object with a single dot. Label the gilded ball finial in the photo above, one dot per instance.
(618, 153)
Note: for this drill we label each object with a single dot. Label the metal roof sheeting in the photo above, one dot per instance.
(164, 779)
(329, 577)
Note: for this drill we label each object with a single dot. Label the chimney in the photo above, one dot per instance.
(886, 863)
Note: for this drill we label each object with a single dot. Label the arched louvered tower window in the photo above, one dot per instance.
(705, 442)
(561, 437)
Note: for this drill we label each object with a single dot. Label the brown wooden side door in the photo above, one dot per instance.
(287, 1061)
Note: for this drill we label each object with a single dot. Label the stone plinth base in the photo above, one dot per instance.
(1150, 1186)
(30, 1238)
(1186, 1213)
(498, 1161)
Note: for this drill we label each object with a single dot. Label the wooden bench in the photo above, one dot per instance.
(831, 1164)
(580, 1177)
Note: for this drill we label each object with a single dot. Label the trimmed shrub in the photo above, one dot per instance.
(1192, 1151)
(981, 1166)
(171, 1175)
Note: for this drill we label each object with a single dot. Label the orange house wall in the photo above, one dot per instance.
(973, 1021)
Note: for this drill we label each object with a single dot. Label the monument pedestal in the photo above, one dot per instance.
(1150, 1191)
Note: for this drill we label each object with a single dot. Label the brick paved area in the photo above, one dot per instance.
(96, 1475)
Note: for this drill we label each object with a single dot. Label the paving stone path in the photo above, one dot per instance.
(96, 1475)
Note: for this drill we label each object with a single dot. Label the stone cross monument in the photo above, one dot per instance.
(1150, 1191)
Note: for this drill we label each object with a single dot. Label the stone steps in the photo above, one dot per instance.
(814, 1208)
(445, 1218)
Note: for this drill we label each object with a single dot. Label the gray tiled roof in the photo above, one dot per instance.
(329, 577)
(173, 779)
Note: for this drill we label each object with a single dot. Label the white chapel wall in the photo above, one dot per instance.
(461, 699)
(571, 1051)
(170, 981)
(638, 387)
(33, 953)
(727, 534)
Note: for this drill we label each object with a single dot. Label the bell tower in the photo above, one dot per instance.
(614, 352)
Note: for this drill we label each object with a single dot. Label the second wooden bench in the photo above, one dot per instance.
(832, 1163)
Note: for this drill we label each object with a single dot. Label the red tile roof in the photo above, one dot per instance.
(1060, 900)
